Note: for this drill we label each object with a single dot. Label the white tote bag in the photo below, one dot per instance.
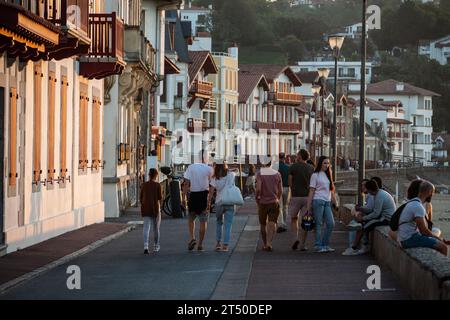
(231, 195)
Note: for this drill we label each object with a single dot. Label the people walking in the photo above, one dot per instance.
(321, 197)
(299, 177)
(283, 169)
(222, 179)
(197, 180)
(150, 197)
(251, 181)
(269, 190)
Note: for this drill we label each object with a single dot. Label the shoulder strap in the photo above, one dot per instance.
(404, 206)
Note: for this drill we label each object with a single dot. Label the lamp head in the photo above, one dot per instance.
(323, 72)
(335, 41)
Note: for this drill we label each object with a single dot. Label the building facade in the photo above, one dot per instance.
(52, 66)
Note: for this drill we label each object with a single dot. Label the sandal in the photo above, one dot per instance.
(218, 247)
(225, 248)
(200, 248)
(192, 244)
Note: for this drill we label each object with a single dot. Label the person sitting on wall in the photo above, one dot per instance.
(380, 215)
(413, 229)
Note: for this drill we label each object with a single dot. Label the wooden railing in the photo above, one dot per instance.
(257, 125)
(72, 14)
(398, 135)
(202, 87)
(106, 32)
(285, 97)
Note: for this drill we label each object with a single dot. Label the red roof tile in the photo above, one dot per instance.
(271, 72)
(399, 121)
(308, 76)
(201, 60)
(248, 82)
(390, 87)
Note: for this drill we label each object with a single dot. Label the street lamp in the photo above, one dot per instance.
(335, 42)
(362, 161)
(312, 135)
(323, 76)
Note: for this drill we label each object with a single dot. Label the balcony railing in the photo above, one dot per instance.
(69, 14)
(196, 125)
(139, 48)
(285, 97)
(202, 88)
(105, 57)
(106, 32)
(276, 126)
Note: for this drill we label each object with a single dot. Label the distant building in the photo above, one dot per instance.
(353, 31)
(347, 70)
(417, 108)
(441, 147)
(438, 50)
(200, 19)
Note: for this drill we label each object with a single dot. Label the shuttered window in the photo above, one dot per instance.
(96, 137)
(51, 127)
(63, 146)
(13, 137)
(179, 89)
(83, 119)
(37, 124)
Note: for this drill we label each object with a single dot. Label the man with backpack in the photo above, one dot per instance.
(410, 223)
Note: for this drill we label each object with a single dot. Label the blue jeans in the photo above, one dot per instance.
(228, 213)
(151, 223)
(323, 214)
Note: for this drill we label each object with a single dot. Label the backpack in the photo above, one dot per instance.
(395, 219)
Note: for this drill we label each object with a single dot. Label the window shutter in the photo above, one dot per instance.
(96, 133)
(13, 137)
(82, 154)
(63, 158)
(51, 127)
(37, 124)
(179, 89)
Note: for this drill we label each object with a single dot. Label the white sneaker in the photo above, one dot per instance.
(247, 198)
(156, 248)
(350, 252)
(320, 250)
(329, 249)
(363, 250)
(353, 225)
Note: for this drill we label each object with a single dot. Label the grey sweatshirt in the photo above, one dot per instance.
(383, 207)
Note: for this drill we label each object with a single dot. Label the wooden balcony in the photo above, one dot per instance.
(105, 57)
(24, 31)
(72, 16)
(196, 125)
(284, 127)
(139, 50)
(203, 89)
(398, 135)
(285, 98)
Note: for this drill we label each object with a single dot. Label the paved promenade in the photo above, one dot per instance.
(119, 270)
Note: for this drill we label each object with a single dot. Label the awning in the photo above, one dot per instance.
(398, 121)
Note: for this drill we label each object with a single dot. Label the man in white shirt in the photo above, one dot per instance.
(197, 183)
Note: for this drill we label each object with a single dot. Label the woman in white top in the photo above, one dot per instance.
(321, 196)
(222, 179)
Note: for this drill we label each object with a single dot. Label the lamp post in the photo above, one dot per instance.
(362, 162)
(335, 42)
(323, 76)
(312, 135)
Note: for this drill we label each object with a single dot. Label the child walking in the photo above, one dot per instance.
(151, 196)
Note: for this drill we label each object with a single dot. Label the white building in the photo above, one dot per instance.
(418, 110)
(438, 50)
(133, 99)
(347, 70)
(354, 31)
(201, 26)
(51, 119)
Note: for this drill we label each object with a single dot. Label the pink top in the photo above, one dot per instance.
(270, 185)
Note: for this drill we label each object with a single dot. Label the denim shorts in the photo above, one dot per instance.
(420, 241)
